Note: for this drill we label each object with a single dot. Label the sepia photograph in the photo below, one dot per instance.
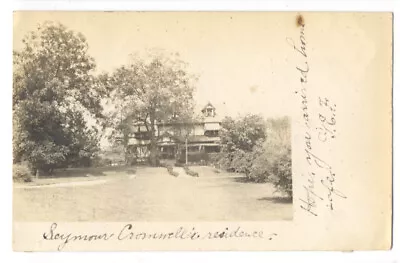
(223, 131)
(132, 116)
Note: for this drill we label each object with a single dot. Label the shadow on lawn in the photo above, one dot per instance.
(246, 180)
(89, 172)
(73, 173)
(277, 199)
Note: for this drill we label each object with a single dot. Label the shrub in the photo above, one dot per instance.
(224, 161)
(242, 162)
(215, 158)
(190, 172)
(238, 161)
(170, 170)
(269, 159)
(281, 175)
(21, 173)
(274, 167)
(101, 162)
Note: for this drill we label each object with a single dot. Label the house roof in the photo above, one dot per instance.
(208, 105)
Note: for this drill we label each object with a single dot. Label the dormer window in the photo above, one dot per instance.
(208, 110)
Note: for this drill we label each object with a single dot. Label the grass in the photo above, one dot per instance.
(153, 196)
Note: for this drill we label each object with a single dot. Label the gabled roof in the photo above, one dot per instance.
(208, 105)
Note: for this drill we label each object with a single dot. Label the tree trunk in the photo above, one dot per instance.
(154, 161)
(153, 153)
(186, 151)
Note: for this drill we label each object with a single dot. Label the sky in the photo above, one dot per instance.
(241, 58)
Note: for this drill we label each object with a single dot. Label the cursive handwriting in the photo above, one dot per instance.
(129, 233)
(310, 202)
(326, 130)
(184, 233)
(303, 71)
(328, 183)
(66, 238)
(327, 118)
(320, 175)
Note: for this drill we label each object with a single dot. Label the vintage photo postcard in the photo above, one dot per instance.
(202, 131)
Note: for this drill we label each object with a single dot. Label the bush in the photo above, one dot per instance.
(215, 158)
(170, 170)
(274, 167)
(242, 162)
(190, 172)
(282, 173)
(101, 162)
(238, 161)
(268, 160)
(21, 173)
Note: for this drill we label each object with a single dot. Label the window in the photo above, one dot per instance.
(209, 112)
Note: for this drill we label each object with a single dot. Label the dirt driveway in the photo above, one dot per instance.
(154, 195)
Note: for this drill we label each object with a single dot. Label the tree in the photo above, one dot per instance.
(54, 93)
(154, 89)
(184, 125)
(259, 149)
(243, 133)
(274, 163)
(119, 124)
(239, 137)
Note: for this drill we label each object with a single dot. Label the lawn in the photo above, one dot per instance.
(151, 195)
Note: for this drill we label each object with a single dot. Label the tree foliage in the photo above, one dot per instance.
(152, 89)
(21, 173)
(238, 138)
(259, 149)
(54, 92)
(243, 133)
(274, 163)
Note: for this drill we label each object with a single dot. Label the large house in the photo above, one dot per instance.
(174, 139)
